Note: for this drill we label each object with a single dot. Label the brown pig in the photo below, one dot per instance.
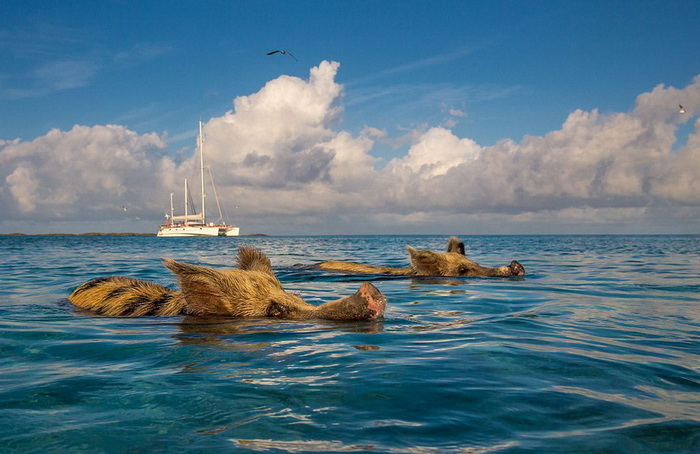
(251, 290)
(454, 262)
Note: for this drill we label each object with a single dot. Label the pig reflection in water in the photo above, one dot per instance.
(252, 290)
(246, 334)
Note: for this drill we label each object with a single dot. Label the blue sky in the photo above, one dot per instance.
(416, 95)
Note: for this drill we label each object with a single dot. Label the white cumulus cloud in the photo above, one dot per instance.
(80, 173)
(282, 158)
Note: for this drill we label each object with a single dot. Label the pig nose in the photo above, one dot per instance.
(375, 300)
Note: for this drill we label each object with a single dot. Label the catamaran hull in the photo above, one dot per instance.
(188, 231)
(216, 230)
(232, 231)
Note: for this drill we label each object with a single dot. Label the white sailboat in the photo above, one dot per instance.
(196, 224)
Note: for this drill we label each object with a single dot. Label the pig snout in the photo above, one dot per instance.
(371, 298)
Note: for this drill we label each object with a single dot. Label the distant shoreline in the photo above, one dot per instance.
(366, 234)
(98, 234)
(78, 234)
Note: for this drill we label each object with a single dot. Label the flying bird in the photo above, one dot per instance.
(282, 52)
(681, 109)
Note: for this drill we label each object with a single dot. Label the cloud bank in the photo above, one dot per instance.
(283, 164)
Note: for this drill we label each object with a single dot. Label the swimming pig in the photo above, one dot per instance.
(454, 262)
(252, 290)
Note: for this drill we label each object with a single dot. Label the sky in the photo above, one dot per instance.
(383, 117)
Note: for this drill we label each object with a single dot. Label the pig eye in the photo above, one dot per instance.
(276, 309)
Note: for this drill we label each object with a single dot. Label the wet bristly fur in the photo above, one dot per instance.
(453, 262)
(361, 268)
(251, 290)
(125, 296)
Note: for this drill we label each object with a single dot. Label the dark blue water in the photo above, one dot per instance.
(596, 349)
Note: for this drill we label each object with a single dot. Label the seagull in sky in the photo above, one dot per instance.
(681, 109)
(282, 52)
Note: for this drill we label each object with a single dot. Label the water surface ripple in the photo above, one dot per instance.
(596, 349)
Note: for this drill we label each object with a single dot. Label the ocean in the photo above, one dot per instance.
(595, 350)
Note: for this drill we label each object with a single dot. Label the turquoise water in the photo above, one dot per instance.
(596, 349)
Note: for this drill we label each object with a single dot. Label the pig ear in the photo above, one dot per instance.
(202, 287)
(252, 259)
(454, 244)
(426, 263)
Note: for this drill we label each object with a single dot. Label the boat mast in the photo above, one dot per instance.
(185, 201)
(201, 169)
(172, 208)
